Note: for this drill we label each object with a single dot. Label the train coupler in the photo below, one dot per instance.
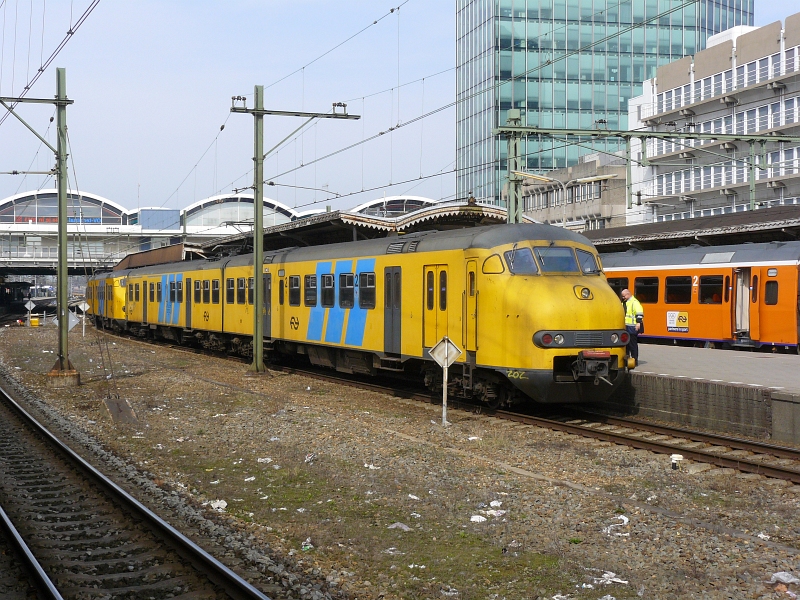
(592, 363)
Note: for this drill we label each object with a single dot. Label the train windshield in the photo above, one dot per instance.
(520, 261)
(557, 259)
(588, 262)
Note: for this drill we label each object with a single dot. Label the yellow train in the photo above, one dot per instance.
(528, 304)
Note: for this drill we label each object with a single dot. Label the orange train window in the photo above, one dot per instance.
(754, 289)
(727, 288)
(646, 289)
(678, 290)
(711, 289)
(771, 293)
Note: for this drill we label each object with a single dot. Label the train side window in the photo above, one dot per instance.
(711, 289)
(397, 288)
(431, 290)
(443, 290)
(215, 291)
(771, 293)
(311, 290)
(366, 290)
(206, 291)
(172, 291)
(198, 291)
(251, 290)
(754, 293)
(588, 262)
(240, 290)
(678, 289)
(179, 291)
(158, 291)
(136, 292)
(727, 288)
(347, 290)
(471, 283)
(328, 291)
(130, 292)
(294, 290)
(620, 283)
(152, 292)
(645, 289)
(230, 290)
(281, 291)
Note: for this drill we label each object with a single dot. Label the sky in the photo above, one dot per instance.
(152, 83)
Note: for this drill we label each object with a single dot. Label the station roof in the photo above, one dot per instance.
(345, 226)
(765, 225)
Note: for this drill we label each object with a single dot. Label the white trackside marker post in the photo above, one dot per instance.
(445, 353)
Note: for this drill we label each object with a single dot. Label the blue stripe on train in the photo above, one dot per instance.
(357, 320)
(316, 317)
(333, 330)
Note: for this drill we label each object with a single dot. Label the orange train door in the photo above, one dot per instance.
(741, 303)
(756, 283)
(435, 313)
(470, 340)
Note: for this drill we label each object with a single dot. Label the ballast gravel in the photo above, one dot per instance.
(315, 490)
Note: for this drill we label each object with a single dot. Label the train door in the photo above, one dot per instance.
(187, 297)
(471, 308)
(741, 303)
(391, 312)
(145, 299)
(267, 305)
(755, 303)
(435, 313)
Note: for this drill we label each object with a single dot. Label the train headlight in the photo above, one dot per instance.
(586, 293)
(558, 339)
(547, 339)
(614, 338)
(624, 338)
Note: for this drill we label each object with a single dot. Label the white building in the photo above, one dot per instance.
(745, 82)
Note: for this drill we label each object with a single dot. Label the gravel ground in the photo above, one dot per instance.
(315, 490)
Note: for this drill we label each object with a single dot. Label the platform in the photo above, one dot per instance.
(773, 371)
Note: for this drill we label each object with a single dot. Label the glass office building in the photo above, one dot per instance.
(513, 54)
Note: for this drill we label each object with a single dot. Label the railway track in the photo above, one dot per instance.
(90, 537)
(722, 451)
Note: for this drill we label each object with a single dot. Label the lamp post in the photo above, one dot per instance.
(564, 186)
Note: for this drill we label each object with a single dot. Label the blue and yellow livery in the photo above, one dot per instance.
(527, 304)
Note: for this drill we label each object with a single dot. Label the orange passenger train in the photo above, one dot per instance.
(745, 295)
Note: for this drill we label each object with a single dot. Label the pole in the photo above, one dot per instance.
(258, 233)
(628, 174)
(444, 384)
(62, 294)
(564, 201)
(752, 176)
(514, 180)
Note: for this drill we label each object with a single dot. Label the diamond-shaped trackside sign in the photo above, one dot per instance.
(445, 352)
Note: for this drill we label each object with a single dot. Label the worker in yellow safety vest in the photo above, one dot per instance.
(634, 322)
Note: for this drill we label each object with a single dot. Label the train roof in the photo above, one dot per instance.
(426, 241)
(694, 255)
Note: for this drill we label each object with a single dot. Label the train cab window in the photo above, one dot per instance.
(206, 291)
(727, 288)
(294, 290)
(645, 289)
(588, 262)
(711, 289)
(328, 292)
(158, 291)
(215, 291)
(251, 290)
(311, 290)
(240, 290)
(366, 290)
(430, 286)
(172, 296)
(618, 284)
(179, 291)
(443, 290)
(198, 291)
(556, 259)
(130, 292)
(678, 290)
(771, 293)
(230, 291)
(471, 283)
(754, 289)
(281, 291)
(152, 292)
(136, 292)
(520, 261)
(347, 290)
